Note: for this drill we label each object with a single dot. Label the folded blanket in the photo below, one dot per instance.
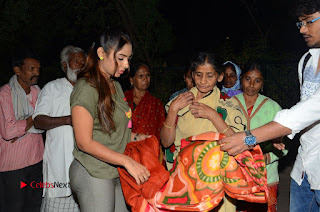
(202, 175)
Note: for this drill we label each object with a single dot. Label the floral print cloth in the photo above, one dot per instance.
(201, 176)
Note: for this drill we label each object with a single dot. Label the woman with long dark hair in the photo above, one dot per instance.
(102, 123)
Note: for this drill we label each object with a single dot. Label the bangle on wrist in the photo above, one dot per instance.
(170, 127)
(226, 129)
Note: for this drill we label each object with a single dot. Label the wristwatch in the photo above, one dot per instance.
(250, 140)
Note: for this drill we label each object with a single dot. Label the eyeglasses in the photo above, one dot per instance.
(306, 23)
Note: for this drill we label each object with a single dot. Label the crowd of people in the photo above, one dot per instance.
(89, 121)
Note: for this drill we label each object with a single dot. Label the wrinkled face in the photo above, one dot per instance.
(230, 78)
(206, 78)
(252, 82)
(311, 32)
(29, 72)
(189, 80)
(76, 63)
(141, 79)
(122, 57)
(76, 60)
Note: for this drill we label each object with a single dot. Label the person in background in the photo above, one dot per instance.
(305, 182)
(101, 120)
(187, 78)
(231, 80)
(53, 114)
(21, 146)
(259, 110)
(147, 111)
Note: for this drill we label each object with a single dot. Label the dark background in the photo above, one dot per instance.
(47, 26)
(165, 35)
(210, 24)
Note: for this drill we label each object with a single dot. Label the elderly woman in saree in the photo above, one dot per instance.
(200, 110)
(147, 111)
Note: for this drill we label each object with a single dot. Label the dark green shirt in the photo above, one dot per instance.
(85, 95)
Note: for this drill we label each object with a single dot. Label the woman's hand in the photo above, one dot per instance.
(139, 172)
(139, 137)
(182, 101)
(200, 110)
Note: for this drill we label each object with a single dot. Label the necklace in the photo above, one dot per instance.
(127, 113)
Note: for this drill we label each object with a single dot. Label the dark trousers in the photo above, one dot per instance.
(16, 199)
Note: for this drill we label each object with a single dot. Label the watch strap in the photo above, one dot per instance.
(248, 133)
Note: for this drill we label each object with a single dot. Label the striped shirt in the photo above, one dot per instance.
(27, 150)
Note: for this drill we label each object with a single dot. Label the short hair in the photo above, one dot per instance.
(20, 55)
(65, 53)
(306, 7)
(202, 58)
(135, 67)
(255, 65)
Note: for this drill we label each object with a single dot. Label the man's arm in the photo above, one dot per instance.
(42, 116)
(10, 128)
(46, 122)
(234, 144)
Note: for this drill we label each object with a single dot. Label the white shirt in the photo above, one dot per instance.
(303, 114)
(311, 81)
(54, 101)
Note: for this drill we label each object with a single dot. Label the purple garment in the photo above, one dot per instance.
(232, 93)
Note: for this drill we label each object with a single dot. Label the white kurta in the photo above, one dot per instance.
(54, 101)
(300, 116)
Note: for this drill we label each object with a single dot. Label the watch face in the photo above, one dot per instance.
(250, 140)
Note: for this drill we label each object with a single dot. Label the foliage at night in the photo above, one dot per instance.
(164, 34)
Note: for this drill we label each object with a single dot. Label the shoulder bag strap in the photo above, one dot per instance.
(306, 59)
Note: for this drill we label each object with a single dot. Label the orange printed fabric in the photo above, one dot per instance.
(141, 197)
(203, 174)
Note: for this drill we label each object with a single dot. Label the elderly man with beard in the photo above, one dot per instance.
(52, 114)
(21, 145)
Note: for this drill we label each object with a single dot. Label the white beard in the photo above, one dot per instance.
(72, 74)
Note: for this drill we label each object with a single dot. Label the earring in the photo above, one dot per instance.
(101, 58)
(261, 89)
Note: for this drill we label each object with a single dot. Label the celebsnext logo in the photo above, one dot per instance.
(34, 184)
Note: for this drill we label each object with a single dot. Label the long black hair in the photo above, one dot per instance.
(112, 39)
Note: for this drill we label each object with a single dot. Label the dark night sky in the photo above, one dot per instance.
(201, 24)
(206, 24)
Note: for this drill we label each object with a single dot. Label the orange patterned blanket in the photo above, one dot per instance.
(201, 176)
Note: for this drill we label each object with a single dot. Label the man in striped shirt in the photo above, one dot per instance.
(21, 145)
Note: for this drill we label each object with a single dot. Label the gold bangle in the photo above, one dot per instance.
(170, 127)
(226, 129)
